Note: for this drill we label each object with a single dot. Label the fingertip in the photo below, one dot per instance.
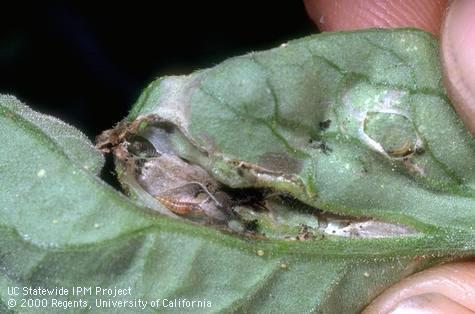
(337, 15)
(457, 53)
(432, 303)
(450, 286)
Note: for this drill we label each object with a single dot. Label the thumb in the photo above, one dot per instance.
(442, 289)
(458, 58)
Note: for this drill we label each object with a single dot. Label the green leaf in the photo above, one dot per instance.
(68, 139)
(394, 149)
(62, 226)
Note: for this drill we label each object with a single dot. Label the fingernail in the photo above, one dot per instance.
(458, 58)
(430, 303)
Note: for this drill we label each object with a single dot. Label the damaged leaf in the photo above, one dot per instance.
(344, 132)
(362, 132)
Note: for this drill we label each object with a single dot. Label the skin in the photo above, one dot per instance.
(448, 288)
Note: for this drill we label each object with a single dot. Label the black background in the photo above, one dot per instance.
(87, 63)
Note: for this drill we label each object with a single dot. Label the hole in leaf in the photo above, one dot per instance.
(393, 131)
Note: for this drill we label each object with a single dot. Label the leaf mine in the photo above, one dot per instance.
(148, 152)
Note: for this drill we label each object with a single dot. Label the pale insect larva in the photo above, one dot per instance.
(180, 207)
(183, 205)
